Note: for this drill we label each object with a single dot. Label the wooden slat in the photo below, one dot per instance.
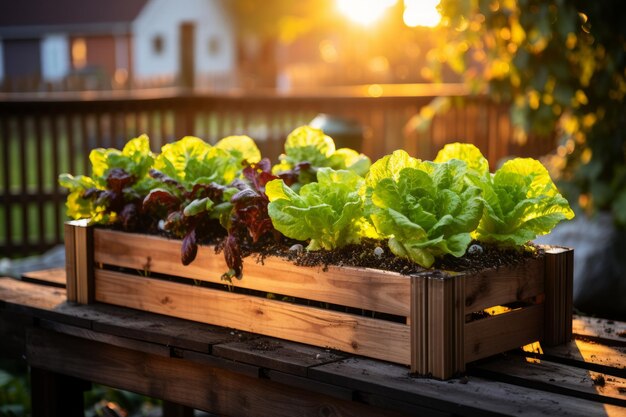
(23, 297)
(184, 382)
(601, 330)
(349, 333)
(504, 285)
(559, 272)
(276, 354)
(419, 325)
(446, 323)
(83, 244)
(503, 332)
(363, 288)
(70, 262)
(588, 355)
(469, 397)
(54, 277)
(554, 377)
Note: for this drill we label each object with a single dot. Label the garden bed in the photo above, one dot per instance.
(427, 320)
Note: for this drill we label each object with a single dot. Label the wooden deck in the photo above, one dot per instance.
(226, 372)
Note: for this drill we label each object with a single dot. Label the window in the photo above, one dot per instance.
(158, 44)
(79, 53)
(214, 45)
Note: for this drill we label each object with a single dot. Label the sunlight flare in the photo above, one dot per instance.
(364, 12)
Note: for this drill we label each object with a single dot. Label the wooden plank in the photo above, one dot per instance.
(473, 396)
(419, 325)
(276, 354)
(83, 241)
(38, 301)
(17, 293)
(320, 327)
(446, 322)
(559, 274)
(604, 331)
(363, 288)
(140, 345)
(554, 377)
(155, 328)
(70, 261)
(496, 334)
(186, 383)
(503, 285)
(589, 355)
(54, 277)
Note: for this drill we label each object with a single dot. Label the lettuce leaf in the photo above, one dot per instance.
(328, 212)
(521, 201)
(308, 148)
(426, 209)
(120, 180)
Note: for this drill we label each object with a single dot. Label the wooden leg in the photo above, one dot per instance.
(55, 395)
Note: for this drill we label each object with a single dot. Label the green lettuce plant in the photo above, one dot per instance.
(426, 209)
(521, 201)
(327, 213)
(118, 183)
(307, 149)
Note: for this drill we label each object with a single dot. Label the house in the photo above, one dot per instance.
(115, 42)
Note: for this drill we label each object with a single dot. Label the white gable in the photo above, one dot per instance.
(156, 37)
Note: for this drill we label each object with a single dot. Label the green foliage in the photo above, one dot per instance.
(426, 210)
(307, 149)
(521, 201)
(14, 395)
(562, 64)
(328, 212)
(122, 172)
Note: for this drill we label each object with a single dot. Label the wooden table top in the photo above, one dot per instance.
(225, 371)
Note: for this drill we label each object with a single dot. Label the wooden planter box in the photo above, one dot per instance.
(424, 321)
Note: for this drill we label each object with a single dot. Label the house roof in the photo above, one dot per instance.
(35, 17)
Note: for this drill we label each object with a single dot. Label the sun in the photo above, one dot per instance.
(421, 13)
(364, 12)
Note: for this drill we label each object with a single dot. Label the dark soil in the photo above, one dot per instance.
(366, 255)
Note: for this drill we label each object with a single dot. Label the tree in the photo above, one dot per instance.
(562, 65)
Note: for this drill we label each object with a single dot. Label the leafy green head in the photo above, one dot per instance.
(328, 213)
(521, 201)
(426, 209)
(308, 148)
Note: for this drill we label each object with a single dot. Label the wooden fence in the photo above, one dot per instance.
(42, 136)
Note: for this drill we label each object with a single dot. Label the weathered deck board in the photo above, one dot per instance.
(54, 277)
(476, 397)
(554, 377)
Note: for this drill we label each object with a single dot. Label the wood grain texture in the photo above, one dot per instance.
(363, 288)
(559, 273)
(608, 332)
(190, 384)
(589, 355)
(280, 355)
(503, 332)
(55, 277)
(476, 396)
(504, 285)
(83, 244)
(70, 261)
(554, 377)
(319, 327)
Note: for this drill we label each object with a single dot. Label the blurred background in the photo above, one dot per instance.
(544, 79)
